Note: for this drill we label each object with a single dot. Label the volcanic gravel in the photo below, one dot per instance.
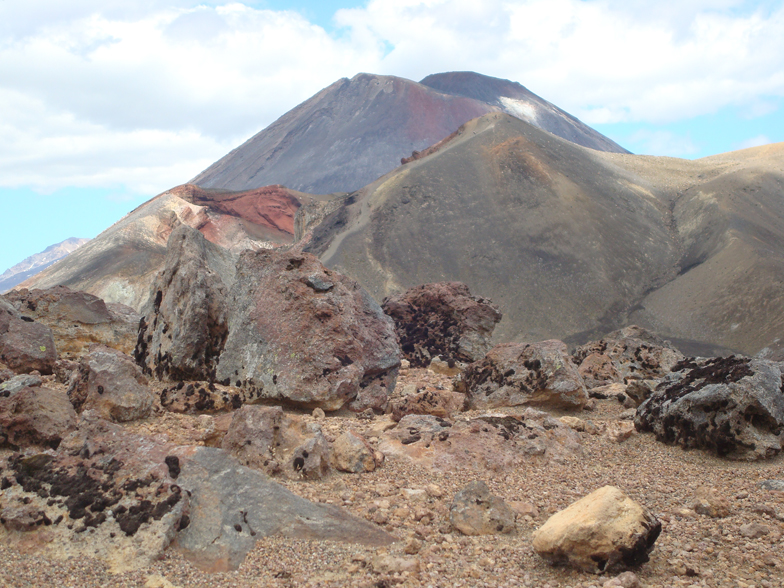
(693, 549)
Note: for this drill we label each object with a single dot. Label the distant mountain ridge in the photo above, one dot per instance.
(356, 130)
(38, 262)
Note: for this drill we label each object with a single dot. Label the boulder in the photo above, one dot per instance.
(599, 532)
(732, 406)
(13, 385)
(302, 334)
(535, 374)
(104, 493)
(232, 507)
(35, 416)
(441, 403)
(442, 319)
(109, 382)
(485, 443)
(632, 353)
(474, 511)
(184, 323)
(78, 319)
(266, 438)
(25, 345)
(352, 453)
(201, 397)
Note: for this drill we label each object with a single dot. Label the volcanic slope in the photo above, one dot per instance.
(571, 242)
(356, 130)
(120, 264)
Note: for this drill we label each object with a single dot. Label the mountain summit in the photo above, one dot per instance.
(356, 130)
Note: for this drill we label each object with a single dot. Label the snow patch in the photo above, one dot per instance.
(521, 109)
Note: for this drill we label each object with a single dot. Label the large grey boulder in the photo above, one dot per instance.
(442, 319)
(184, 324)
(302, 334)
(232, 507)
(25, 345)
(732, 406)
(535, 374)
(109, 382)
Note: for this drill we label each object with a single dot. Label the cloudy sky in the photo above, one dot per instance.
(105, 103)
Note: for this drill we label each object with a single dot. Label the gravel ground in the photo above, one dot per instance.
(744, 549)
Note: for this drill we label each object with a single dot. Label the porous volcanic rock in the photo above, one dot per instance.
(78, 319)
(185, 321)
(631, 353)
(485, 443)
(266, 438)
(733, 406)
(475, 511)
(442, 319)
(105, 493)
(109, 382)
(35, 416)
(232, 507)
(352, 453)
(536, 374)
(598, 532)
(201, 397)
(25, 345)
(305, 335)
(440, 403)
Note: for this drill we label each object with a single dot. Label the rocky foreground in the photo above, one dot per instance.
(328, 455)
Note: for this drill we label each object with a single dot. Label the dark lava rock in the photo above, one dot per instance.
(201, 397)
(442, 319)
(733, 406)
(35, 416)
(109, 382)
(294, 338)
(536, 374)
(25, 345)
(184, 324)
(226, 495)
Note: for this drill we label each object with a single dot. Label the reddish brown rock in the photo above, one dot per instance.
(35, 416)
(352, 453)
(305, 335)
(441, 403)
(25, 345)
(110, 383)
(536, 374)
(266, 438)
(475, 511)
(442, 319)
(78, 319)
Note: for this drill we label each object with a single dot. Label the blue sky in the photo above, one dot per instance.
(106, 103)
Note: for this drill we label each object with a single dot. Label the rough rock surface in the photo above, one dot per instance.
(35, 416)
(200, 397)
(733, 406)
(440, 403)
(232, 507)
(78, 319)
(536, 374)
(352, 453)
(265, 438)
(631, 353)
(25, 345)
(302, 334)
(475, 511)
(442, 319)
(104, 493)
(16, 383)
(109, 382)
(489, 442)
(599, 531)
(185, 321)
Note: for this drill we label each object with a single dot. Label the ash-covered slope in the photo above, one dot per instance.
(571, 242)
(356, 130)
(515, 99)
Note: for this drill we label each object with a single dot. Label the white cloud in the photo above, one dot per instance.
(148, 93)
(661, 143)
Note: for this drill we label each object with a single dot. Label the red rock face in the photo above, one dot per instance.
(271, 207)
